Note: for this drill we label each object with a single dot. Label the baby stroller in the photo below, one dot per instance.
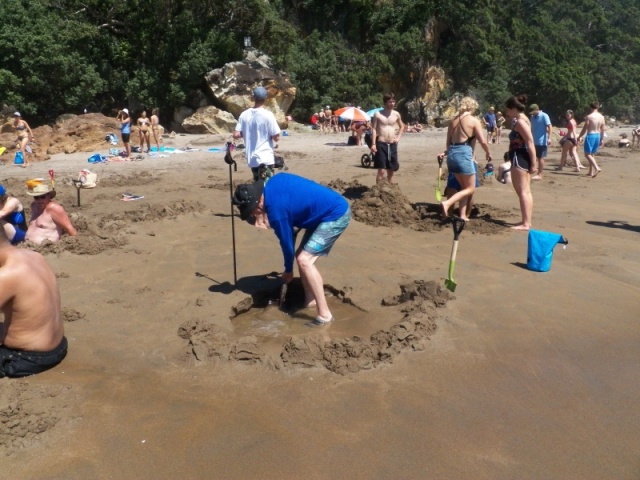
(367, 159)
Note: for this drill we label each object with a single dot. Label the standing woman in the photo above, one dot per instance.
(464, 131)
(499, 124)
(25, 135)
(569, 143)
(522, 154)
(145, 135)
(155, 127)
(125, 129)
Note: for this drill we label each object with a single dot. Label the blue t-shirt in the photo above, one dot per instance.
(126, 127)
(539, 128)
(293, 201)
(490, 119)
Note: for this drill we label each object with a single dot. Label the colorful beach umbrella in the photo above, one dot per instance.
(373, 111)
(353, 113)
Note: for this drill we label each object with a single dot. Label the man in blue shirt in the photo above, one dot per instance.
(541, 131)
(490, 123)
(285, 202)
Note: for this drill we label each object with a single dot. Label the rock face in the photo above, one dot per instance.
(209, 120)
(232, 85)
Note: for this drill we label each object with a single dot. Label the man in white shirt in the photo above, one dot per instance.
(259, 129)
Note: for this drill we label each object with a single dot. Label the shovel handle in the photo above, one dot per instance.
(440, 160)
(458, 226)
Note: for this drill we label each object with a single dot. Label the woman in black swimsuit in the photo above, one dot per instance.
(522, 154)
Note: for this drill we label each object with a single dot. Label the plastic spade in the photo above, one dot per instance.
(458, 226)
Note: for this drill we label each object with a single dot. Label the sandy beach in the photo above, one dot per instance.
(173, 373)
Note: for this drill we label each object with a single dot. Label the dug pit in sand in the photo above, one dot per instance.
(417, 303)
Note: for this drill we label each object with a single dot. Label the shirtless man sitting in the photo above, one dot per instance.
(387, 130)
(594, 126)
(48, 218)
(32, 339)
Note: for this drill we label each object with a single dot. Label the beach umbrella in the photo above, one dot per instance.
(373, 111)
(353, 113)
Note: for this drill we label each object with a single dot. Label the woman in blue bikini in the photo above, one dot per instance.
(522, 154)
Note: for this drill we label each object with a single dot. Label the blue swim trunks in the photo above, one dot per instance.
(18, 237)
(319, 241)
(460, 159)
(591, 143)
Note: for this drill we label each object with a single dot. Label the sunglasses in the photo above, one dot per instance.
(40, 197)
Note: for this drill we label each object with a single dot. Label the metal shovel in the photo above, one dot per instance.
(458, 226)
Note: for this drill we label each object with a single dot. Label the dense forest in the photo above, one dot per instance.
(61, 56)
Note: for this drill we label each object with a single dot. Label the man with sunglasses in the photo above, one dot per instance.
(49, 220)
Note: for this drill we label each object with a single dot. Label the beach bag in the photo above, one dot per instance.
(87, 178)
(540, 249)
(111, 138)
(278, 162)
(19, 158)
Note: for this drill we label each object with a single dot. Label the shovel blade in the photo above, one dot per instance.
(450, 284)
(438, 194)
(283, 295)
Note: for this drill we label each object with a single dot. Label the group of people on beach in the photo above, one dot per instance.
(528, 143)
(32, 338)
(146, 127)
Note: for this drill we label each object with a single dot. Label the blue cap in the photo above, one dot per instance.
(260, 93)
(2, 190)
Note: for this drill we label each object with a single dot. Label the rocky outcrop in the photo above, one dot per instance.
(233, 84)
(209, 120)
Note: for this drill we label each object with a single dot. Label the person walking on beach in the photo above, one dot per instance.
(500, 121)
(32, 338)
(541, 130)
(594, 127)
(490, 123)
(569, 143)
(286, 202)
(387, 129)
(125, 130)
(259, 129)
(463, 133)
(25, 135)
(522, 153)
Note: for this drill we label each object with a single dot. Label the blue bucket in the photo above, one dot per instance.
(540, 249)
(19, 158)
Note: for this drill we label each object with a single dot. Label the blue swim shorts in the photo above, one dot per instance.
(460, 159)
(591, 143)
(319, 241)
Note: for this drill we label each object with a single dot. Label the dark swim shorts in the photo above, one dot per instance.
(386, 156)
(21, 363)
(520, 159)
(126, 137)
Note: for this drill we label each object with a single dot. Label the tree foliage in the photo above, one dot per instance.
(61, 56)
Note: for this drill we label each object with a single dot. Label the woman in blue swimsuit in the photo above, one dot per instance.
(12, 217)
(125, 129)
(522, 154)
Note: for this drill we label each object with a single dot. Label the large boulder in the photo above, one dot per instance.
(233, 84)
(209, 120)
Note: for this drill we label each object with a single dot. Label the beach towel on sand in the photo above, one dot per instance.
(540, 249)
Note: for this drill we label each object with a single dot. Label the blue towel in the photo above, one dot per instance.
(540, 249)
(217, 149)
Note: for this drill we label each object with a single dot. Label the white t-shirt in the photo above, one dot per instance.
(258, 125)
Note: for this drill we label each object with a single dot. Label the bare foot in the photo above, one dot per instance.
(536, 177)
(520, 228)
(311, 304)
(596, 174)
(559, 169)
(443, 211)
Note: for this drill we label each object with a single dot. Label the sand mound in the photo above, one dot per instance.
(27, 412)
(384, 205)
(418, 300)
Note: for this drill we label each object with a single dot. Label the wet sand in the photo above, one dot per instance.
(518, 375)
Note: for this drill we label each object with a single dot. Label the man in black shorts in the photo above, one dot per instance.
(387, 129)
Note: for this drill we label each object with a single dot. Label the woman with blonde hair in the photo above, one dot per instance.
(463, 133)
(522, 153)
(25, 135)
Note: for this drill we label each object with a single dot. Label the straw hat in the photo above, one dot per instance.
(35, 188)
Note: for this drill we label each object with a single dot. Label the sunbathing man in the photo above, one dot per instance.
(32, 339)
(49, 220)
(286, 202)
